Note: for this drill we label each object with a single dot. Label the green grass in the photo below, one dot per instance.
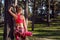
(41, 31)
(1, 37)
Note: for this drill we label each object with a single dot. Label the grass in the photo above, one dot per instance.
(41, 31)
(1, 37)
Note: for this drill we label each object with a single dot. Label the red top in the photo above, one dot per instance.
(19, 20)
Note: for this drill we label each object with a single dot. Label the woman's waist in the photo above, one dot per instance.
(19, 25)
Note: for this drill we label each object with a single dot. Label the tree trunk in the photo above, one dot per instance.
(0, 6)
(33, 17)
(48, 14)
(26, 12)
(8, 22)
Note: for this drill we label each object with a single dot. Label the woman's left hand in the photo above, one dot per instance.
(25, 30)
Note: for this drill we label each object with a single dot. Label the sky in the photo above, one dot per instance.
(3, 1)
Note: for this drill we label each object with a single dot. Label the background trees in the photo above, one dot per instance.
(43, 11)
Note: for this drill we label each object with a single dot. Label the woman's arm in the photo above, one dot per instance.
(14, 15)
(25, 25)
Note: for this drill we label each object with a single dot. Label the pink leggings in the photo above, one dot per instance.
(19, 34)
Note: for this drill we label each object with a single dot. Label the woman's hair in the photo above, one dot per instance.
(18, 9)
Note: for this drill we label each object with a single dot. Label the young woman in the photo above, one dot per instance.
(20, 23)
(21, 27)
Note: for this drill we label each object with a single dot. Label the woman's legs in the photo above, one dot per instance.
(17, 38)
(23, 38)
(19, 34)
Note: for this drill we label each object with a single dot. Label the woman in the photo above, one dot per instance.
(21, 26)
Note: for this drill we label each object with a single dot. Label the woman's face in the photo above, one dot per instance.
(19, 10)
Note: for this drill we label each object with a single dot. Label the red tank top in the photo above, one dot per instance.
(19, 20)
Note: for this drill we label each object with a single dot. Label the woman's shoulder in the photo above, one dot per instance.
(22, 16)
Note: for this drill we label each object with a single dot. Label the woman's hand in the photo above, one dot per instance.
(26, 30)
(12, 13)
(10, 9)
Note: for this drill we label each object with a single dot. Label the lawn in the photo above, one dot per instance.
(41, 31)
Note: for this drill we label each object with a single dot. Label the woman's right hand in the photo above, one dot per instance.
(12, 13)
(10, 8)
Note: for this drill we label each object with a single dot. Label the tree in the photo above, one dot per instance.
(8, 22)
(26, 13)
(48, 13)
(33, 16)
(0, 6)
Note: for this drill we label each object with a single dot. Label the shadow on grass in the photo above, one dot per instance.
(47, 36)
(1, 34)
(55, 23)
(1, 38)
(47, 33)
(42, 30)
(53, 35)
